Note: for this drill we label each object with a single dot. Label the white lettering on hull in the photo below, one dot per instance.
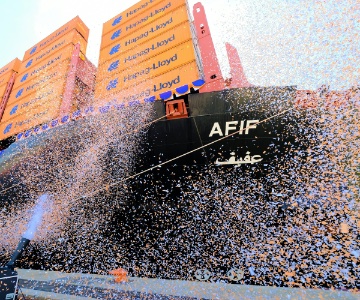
(233, 126)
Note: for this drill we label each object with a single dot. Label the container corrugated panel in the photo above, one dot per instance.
(36, 72)
(39, 98)
(141, 19)
(147, 50)
(150, 31)
(30, 119)
(3, 89)
(4, 80)
(73, 37)
(128, 14)
(14, 65)
(151, 87)
(158, 65)
(41, 82)
(75, 23)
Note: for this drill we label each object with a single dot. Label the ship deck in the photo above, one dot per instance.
(75, 286)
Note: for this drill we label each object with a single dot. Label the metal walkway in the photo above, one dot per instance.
(56, 285)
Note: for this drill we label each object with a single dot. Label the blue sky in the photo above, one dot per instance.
(281, 42)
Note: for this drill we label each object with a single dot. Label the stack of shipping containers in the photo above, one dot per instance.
(145, 51)
(38, 91)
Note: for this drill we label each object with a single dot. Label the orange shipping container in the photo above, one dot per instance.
(14, 65)
(161, 43)
(141, 19)
(75, 23)
(73, 37)
(58, 59)
(148, 32)
(128, 14)
(41, 97)
(30, 119)
(5, 86)
(185, 74)
(159, 64)
(38, 84)
(6, 78)
(2, 90)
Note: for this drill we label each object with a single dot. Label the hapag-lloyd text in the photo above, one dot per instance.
(151, 30)
(153, 13)
(154, 66)
(147, 50)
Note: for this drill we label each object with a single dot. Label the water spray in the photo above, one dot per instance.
(32, 227)
(9, 277)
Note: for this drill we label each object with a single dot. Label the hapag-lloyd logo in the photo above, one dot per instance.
(14, 109)
(4, 70)
(149, 49)
(7, 128)
(114, 65)
(140, 95)
(41, 68)
(26, 121)
(157, 87)
(166, 84)
(146, 18)
(116, 21)
(18, 109)
(136, 10)
(150, 31)
(162, 85)
(154, 66)
(53, 37)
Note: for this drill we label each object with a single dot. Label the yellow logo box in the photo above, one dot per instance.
(73, 37)
(155, 46)
(128, 14)
(75, 23)
(14, 65)
(141, 19)
(150, 31)
(41, 81)
(41, 97)
(175, 78)
(39, 115)
(159, 64)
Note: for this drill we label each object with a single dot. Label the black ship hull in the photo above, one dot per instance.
(208, 197)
